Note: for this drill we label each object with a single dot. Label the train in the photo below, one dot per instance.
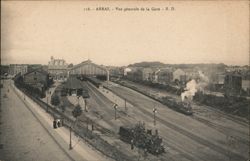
(140, 137)
(96, 82)
(179, 106)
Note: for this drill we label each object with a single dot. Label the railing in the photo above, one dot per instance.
(91, 138)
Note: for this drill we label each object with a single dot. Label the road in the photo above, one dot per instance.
(22, 136)
(27, 133)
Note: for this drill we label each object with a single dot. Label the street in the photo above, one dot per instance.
(27, 133)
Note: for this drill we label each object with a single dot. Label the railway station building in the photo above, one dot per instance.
(57, 68)
(88, 68)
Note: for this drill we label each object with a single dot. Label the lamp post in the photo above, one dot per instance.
(47, 110)
(78, 99)
(85, 105)
(115, 107)
(70, 142)
(154, 111)
(125, 104)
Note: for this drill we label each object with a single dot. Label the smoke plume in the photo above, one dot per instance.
(192, 87)
(190, 90)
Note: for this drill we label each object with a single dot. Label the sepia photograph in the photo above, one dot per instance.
(125, 80)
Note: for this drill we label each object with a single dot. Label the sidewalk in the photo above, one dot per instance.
(81, 150)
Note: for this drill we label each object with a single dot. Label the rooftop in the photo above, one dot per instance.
(73, 83)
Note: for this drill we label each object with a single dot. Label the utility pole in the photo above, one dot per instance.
(115, 107)
(47, 110)
(70, 143)
(85, 105)
(154, 111)
(125, 104)
(78, 99)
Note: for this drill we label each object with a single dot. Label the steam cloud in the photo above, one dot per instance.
(192, 87)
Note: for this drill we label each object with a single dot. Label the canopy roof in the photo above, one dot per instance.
(73, 83)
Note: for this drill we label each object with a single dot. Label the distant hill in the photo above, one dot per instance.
(148, 64)
(182, 66)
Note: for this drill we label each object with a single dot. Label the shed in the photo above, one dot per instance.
(75, 87)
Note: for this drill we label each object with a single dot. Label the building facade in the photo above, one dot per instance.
(164, 76)
(233, 82)
(147, 74)
(37, 79)
(14, 69)
(87, 68)
(134, 74)
(57, 68)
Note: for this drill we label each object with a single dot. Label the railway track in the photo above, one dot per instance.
(221, 129)
(192, 136)
(227, 116)
(223, 114)
(171, 144)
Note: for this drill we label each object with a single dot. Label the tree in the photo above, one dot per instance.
(77, 111)
(70, 65)
(55, 100)
(63, 108)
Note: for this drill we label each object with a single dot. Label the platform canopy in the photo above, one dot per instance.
(73, 83)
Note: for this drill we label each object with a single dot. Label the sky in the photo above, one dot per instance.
(194, 32)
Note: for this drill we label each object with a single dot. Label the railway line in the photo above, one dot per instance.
(228, 129)
(198, 139)
(242, 122)
(221, 129)
(233, 118)
(195, 137)
(171, 144)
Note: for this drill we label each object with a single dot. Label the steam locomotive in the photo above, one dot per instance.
(179, 106)
(139, 137)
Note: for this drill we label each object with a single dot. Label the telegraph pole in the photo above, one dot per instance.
(125, 104)
(70, 143)
(154, 111)
(85, 105)
(78, 99)
(47, 110)
(115, 107)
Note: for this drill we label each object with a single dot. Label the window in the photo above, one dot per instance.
(35, 78)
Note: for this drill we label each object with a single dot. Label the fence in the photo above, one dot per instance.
(91, 138)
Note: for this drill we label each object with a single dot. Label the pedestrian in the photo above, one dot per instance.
(58, 123)
(92, 127)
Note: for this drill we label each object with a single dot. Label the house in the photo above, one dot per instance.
(147, 74)
(18, 68)
(163, 76)
(135, 74)
(38, 79)
(179, 76)
(245, 85)
(218, 80)
(233, 82)
(116, 71)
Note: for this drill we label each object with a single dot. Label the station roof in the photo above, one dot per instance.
(73, 83)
